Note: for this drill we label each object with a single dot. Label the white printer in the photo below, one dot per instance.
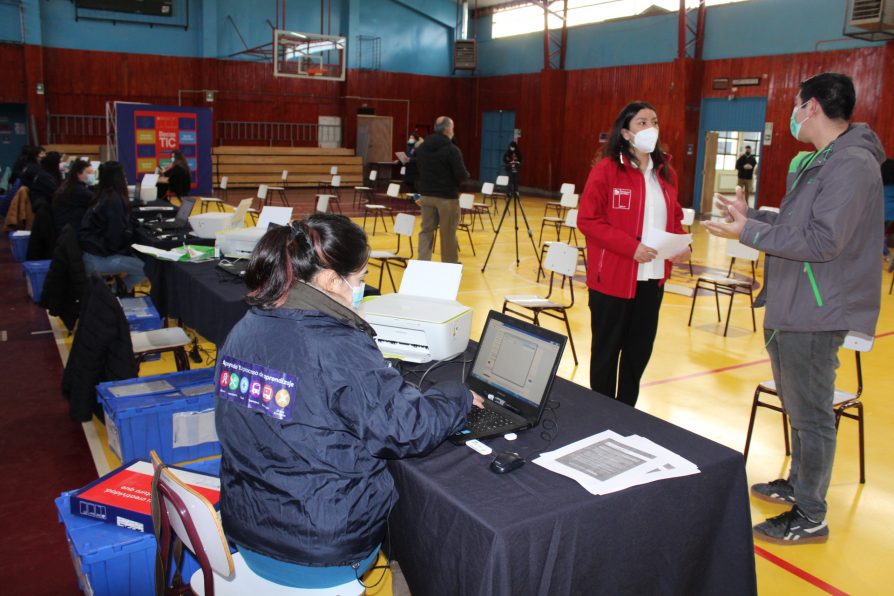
(240, 243)
(423, 321)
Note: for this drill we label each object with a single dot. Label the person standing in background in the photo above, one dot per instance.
(745, 167)
(441, 171)
(823, 281)
(512, 160)
(630, 190)
(411, 171)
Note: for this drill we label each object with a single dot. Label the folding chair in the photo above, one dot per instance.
(688, 220)
(562, 259)
(566, 189)
(570, 224)
(183, 516)
(365, 193)
(377, 211)
(404, 225)
(841, 402)
(568, 202)
(467, 210)
(281, 190)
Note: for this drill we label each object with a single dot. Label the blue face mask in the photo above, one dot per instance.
(356, 294)
(91, 180)
(795, 126)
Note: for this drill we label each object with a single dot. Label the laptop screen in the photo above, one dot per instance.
(185, 210)
(516, 361)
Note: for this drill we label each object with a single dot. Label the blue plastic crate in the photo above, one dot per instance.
(141, 313)
(171, 413)
(35, 275)
(18, 242)
(109, 560)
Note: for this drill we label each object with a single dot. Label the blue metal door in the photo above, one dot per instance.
(746, 114)
(13, 133)
(497, 131)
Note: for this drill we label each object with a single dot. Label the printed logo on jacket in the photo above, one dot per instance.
(257, 387)
(621, 198)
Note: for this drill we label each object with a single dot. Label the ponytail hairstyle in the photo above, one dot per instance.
(297, 252)
(617, 146)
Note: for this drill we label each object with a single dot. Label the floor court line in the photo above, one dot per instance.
(798, 572)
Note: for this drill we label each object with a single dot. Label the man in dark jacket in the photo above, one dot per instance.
(823, 281)
(745, 171)
(441, 170)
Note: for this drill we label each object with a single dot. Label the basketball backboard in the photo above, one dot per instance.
(309, 55)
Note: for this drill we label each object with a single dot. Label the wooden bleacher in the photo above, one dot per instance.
(91, 151)
(248, 167)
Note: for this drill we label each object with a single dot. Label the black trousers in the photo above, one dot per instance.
(623, 334)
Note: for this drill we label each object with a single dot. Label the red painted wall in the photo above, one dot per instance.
(560, 113)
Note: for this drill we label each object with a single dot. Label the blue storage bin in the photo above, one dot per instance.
(18, 242)
(109, 560)
(35, 275)
(141, 313)
(171, 413)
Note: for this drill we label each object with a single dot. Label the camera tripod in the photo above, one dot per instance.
(514, 200)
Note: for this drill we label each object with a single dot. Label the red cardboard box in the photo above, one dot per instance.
(123, 497)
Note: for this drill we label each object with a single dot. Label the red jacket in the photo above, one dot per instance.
(611, 218)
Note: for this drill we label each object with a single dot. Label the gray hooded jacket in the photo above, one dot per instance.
(823, 270)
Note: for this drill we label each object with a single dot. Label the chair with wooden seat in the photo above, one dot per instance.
(281, 190)
(260, 200)
(726, 286)
(185, 518)
(688, 220)
(568, 202)
(404, 224)
(560, 259)
(566, 189)
(467, 214)
(365, 194)
(842, 402)
(569, 224)
(377, 211)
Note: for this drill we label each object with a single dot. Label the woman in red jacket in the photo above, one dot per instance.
(631, 189)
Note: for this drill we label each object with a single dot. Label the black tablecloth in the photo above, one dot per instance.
(458, 528)
(200, 295)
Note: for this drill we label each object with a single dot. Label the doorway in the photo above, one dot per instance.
(13, 133)
(725, 128)
(497, 130)
(374, 140)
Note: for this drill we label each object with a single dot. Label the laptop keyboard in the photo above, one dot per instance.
(482, 420)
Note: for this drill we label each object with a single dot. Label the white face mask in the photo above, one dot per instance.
(646, 139)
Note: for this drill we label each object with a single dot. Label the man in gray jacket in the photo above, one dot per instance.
(823, 279)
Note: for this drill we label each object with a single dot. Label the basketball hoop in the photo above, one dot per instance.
(309, 55)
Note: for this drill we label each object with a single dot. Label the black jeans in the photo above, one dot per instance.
(623, 333)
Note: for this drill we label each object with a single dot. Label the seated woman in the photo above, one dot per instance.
(46, 179)
(308, 411)
(105, 233)
(73, 197)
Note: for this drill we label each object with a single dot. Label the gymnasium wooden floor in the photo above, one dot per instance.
(704, 382)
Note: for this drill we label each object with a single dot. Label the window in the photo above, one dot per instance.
(730, 144)
(528, 19)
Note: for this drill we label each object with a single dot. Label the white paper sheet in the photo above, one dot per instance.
(431, 279)
(608, 462)
(668, 245)
(279, 215)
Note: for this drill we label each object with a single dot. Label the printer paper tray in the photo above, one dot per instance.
(404, 351)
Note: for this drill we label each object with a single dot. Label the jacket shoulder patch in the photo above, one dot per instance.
(256, 387)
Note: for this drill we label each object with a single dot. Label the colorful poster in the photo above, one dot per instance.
(148, 135)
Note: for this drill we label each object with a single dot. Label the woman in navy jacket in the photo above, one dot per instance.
(630, 190)
(308, 411)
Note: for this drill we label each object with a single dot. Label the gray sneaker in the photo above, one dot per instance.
(792, 527)
(777, 491)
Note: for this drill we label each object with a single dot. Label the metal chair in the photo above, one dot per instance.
(404, 224)
(562, 259)
(688, 220)
(566, 189)
(841, 402)
(468, 210)
(489, 197)
(281, 190)
(568, 202)
(322, 203)
(365, 194)
(186, 516)
(378, 211)
(735, 249)
(261, 199)
(570, 224)
(726, 286)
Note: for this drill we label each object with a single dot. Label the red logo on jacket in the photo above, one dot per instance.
(621, 198)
